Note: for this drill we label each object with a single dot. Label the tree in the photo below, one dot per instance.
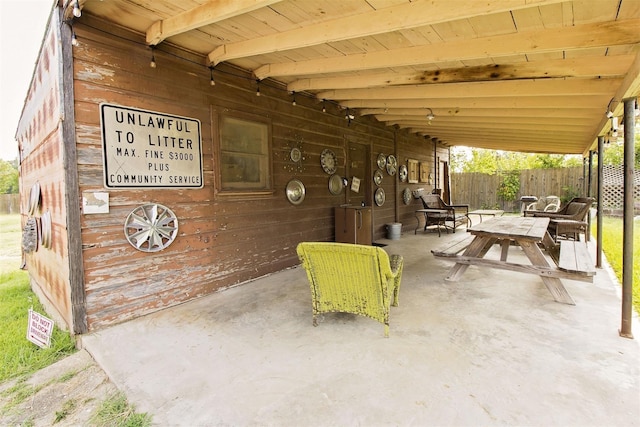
(8, 178)
(494, 161)
(483, 161)
(614, 152)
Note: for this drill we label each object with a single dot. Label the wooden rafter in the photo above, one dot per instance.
(409, 15)
(565, 113)
(533, 88)
(607, 66)
(600, 34)
(205, 14)
(512, 102)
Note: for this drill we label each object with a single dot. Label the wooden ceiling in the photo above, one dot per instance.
(521, 75)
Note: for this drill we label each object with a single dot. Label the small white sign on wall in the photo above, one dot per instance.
(39, 329)
(95, 202)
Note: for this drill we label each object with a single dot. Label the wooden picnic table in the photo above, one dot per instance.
(527, 233)
(486, 212)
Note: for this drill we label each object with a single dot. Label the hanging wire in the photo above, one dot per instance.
(153, 64)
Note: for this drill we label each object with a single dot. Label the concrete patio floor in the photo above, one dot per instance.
(492, 349)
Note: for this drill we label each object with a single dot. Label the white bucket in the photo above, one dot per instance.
(394, 230)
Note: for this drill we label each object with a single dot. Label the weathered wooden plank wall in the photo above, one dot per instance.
(222, 240)
(40, 141)
(479, 190)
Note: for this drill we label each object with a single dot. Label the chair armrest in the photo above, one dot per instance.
(429, 210)
(543, 214)
(396, 262)
(461, 207)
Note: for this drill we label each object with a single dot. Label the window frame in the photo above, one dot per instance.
(264, 157)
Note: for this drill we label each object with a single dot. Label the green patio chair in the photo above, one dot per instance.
(350, 278)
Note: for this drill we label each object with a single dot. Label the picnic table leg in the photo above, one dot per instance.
(477, 248)
(417, 214)
(505, 249)
(553, 284)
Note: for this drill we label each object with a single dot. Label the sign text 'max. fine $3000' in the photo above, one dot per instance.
(148, 149)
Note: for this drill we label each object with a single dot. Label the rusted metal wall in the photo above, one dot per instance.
(222, 240)
(40, 142)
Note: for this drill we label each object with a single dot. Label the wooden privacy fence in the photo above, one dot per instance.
(9, 204)
(480, 190)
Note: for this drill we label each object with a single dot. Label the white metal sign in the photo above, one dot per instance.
(39, 329)
(143, 149)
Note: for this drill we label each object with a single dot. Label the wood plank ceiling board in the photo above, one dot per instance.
(557, 15)
(628, 9)
(585, 11)
(588, 35)
(494, 24)
(547, 56)
(528, 19)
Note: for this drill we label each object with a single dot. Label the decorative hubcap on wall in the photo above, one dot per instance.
(151, 227)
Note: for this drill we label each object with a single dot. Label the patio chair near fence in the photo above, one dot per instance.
(439, 213)
(546, 204)
(350, 278)
(569, 221)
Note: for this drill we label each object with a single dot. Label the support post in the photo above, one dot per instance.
(590, 174)
(600, 214)
(627, 237)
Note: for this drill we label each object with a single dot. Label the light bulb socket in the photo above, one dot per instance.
(152, 64)
(76, 9)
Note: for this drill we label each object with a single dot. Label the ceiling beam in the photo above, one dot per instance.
(565, 113)
(510, 88)
(505, 123)
(205, 14)
(532, 123)
(511, 135)
(512, 102)
(600, 34)
(606, 66)
(388, 19)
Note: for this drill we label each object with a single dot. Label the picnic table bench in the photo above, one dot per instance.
(572, 262)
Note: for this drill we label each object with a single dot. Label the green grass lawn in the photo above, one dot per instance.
(10, 238)
(612, 248)
(19, 356)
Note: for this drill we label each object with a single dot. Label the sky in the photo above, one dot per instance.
(22, 27)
